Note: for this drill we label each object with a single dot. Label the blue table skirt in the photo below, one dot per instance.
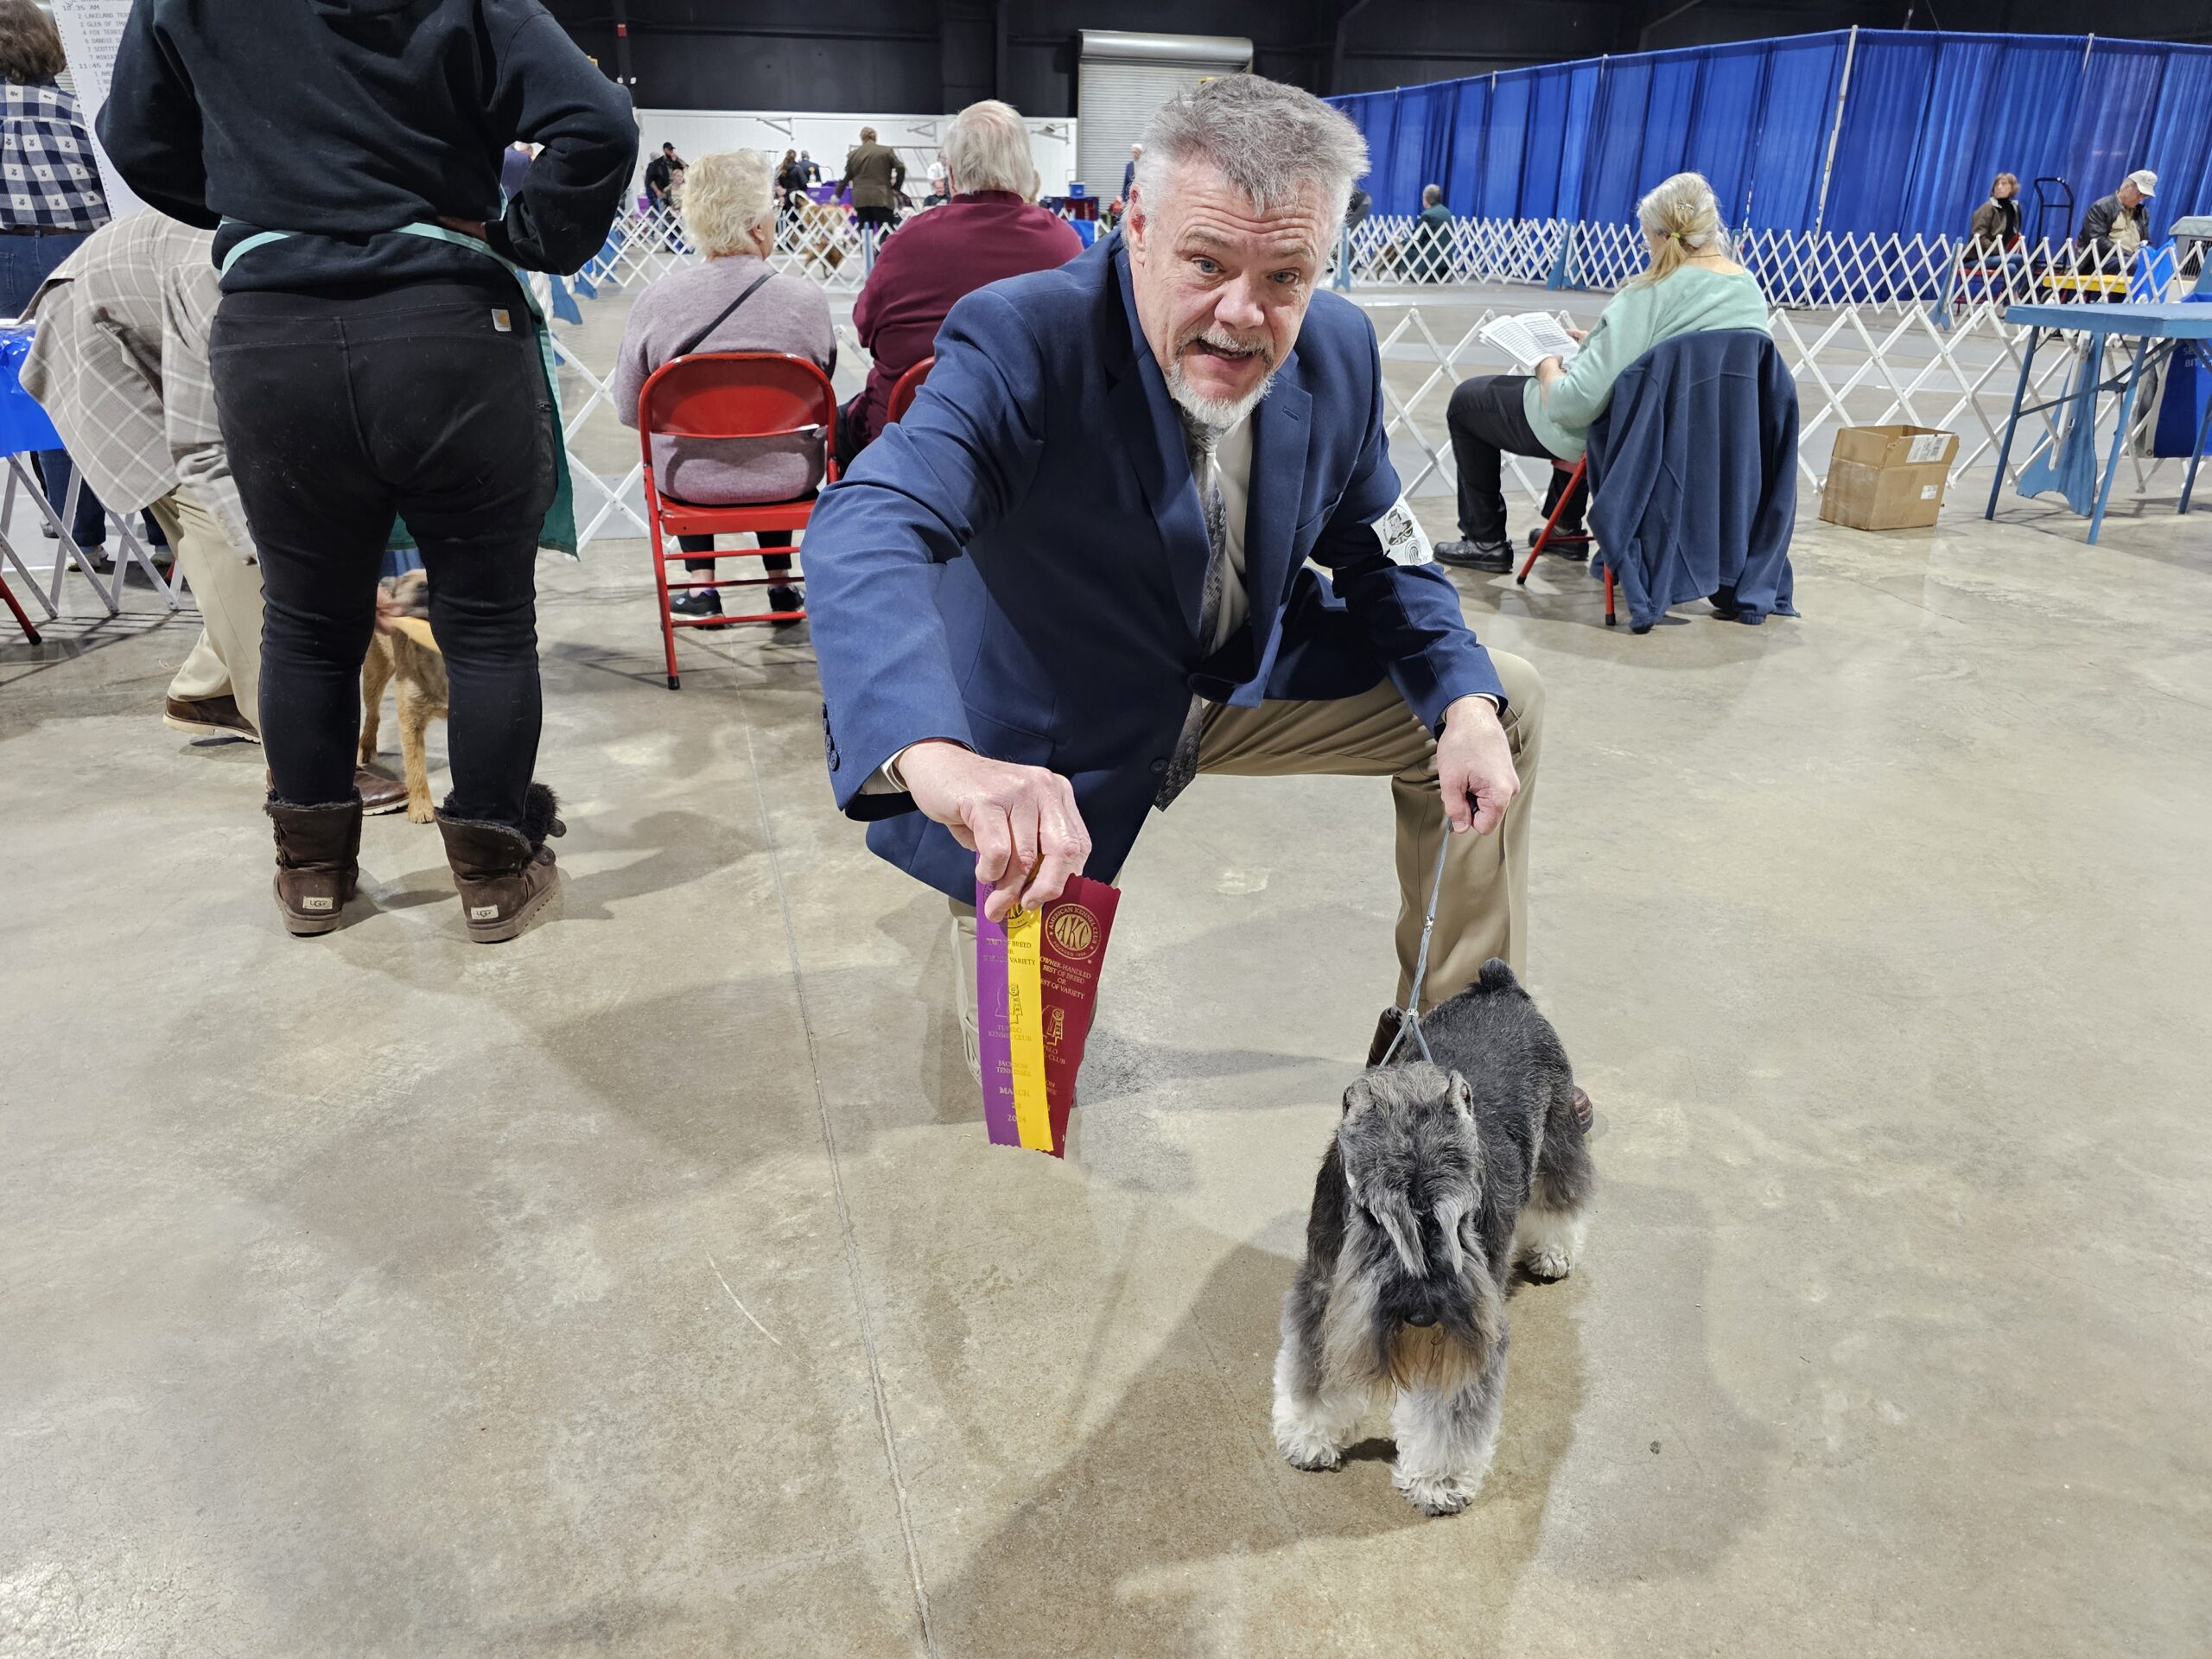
(23, 425)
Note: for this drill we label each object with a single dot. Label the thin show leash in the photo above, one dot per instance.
(1409, 1021)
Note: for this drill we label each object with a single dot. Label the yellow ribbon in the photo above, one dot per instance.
(1025, 1007)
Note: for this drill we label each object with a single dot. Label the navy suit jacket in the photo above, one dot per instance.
(1019, 563)
(1693, 475)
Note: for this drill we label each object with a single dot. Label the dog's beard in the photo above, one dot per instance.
(1364, 1346)
(1433, 1359)
(1220, 414)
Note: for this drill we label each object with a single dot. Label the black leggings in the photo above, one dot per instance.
(1488, 423)
(775, 563)
(340, 409)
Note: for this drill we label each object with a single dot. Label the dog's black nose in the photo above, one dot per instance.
(1420, 1322)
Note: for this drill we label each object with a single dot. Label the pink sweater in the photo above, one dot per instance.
(787, 314)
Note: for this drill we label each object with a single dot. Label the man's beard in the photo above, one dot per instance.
(1220, 414)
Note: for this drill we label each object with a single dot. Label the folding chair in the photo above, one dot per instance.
(1545, 538)
(902, 394)
(720, 396)
(21, 621)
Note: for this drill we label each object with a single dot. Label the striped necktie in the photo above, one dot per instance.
(1206, 472)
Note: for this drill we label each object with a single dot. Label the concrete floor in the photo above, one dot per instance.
(646, 1285)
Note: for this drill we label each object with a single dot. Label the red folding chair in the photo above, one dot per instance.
(21, 620)
(1545, 538)
(722, 394)
(902, 395)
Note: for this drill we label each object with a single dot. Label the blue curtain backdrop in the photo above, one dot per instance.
(1929, 119)
(1949, 173)
(1497, 193)
(1463, 171)
(2179, 149)
(2112, 117)
(1729, 81)
(1891, 80)
(1563, 99)
(1612, 178)
(1796, 115)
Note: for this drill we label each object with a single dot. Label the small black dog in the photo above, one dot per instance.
(1441, 1177)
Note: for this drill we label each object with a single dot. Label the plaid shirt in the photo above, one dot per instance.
(46, 162)
(120, 364)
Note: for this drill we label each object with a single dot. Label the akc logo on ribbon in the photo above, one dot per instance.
(1074, 930)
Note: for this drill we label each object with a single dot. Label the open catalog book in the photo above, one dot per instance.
(1530, 338)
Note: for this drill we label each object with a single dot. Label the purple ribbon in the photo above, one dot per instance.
(992, 1026)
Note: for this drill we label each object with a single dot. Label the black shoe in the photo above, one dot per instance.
(700, 602)
(1494, 556)
(789, 605)
(1569, 542)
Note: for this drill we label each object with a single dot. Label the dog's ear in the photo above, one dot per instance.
(1462, 1098)
(1359, 1096)
(1497, 975)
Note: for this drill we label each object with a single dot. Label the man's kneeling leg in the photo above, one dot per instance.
(1483, 910)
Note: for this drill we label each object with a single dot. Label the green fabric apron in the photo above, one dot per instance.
(559, 531)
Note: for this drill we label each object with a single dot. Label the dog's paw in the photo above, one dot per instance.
(1435, 1494)
(1315, 1453)
(420, 812)
(1547, 1244)
(1548, 1265)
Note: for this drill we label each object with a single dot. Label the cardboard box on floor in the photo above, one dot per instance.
(1888, 477)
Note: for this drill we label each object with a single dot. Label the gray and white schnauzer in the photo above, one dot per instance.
(1441, 1178)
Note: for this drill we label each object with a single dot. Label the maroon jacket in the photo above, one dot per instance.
(936, 259)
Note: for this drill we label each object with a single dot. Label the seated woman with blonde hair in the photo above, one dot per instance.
(1691, 285)
(734, 301)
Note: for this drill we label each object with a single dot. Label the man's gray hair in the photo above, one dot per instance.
(1273, 143)
(987, 148)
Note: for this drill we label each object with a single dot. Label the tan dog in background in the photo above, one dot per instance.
(404, 649)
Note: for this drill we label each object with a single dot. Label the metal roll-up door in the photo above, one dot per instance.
(1124, 78)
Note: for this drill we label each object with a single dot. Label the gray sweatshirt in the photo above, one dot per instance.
(787, 314)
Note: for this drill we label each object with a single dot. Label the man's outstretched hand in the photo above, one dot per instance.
(1021, 821)
(1474, 763)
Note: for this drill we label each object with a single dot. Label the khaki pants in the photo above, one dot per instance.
(1483, 910)
(227, 658)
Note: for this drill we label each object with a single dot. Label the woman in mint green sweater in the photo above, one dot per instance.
(1692, 284)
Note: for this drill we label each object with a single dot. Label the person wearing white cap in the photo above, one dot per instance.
(2116, 225)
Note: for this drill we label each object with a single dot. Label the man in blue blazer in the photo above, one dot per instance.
(1076, 573)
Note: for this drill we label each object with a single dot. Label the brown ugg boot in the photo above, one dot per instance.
(317, 852)
(505, 874)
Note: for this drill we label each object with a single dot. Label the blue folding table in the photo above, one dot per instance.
(2069, 465)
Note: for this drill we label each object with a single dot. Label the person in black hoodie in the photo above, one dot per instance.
(374, 355)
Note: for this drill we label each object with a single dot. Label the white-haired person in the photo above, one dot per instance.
(734, 301)
(2116, 226)
(1691, 285)
(988, 229)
